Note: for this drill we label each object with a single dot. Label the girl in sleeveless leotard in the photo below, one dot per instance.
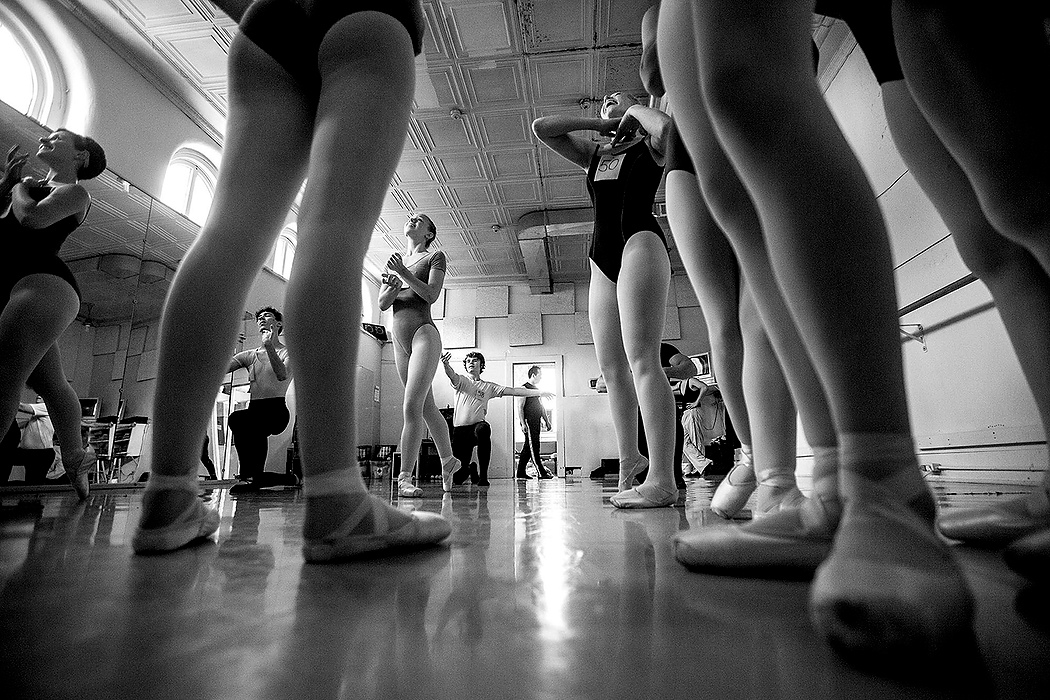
(39, 296)
(630, 273)
(412, 285)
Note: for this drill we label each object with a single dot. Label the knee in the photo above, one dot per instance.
(1021, 215)
(993, 259)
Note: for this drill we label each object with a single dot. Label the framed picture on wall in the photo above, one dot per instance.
(705, 372)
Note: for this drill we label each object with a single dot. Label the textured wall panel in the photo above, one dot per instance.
(525, 329)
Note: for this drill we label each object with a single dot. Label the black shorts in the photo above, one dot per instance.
(293, 37)
(21, 266)
(872, 26)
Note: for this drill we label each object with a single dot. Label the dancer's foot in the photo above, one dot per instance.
(405, 487)
(890, 592)
(247, 485)
(997, 523)
(791, 542)
(348, 525)
(449, 467)
(81, 464)
(645, 496)
(771, 499)
(628, 472)
(544, 473)
(172, 515)
(738, 485)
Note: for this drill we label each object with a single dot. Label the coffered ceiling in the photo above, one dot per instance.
(489, 67)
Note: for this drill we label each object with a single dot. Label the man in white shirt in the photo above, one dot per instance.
(269, 374)
(469, 427)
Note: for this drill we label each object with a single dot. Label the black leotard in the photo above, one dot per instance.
(34, 250)
(292, 35)
(623, 206)
(872, 27)
(411, 311)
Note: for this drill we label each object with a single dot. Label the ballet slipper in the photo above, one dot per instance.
(627, 476)
(890, 593)
(345, 542)
(448, 468)
(1030, 556)
(644, 496)
(196, 522)
(772, 499)
(791, 542)
(738, 485)
(405, 487)
(78, 475)
(997, 523)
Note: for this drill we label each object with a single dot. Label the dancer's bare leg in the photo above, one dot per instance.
(1019, 285)
(40, 309)
(809, 190)
(604, 316)
(642, 286)
(984, 94)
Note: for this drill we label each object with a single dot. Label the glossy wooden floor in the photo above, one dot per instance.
(543, 591)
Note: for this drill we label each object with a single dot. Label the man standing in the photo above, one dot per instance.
(469, 427)
(532, 412)
(269, 374)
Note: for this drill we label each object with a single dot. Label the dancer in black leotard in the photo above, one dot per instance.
(39, 297)
(630, 273)
(413, 284)
(321, 90)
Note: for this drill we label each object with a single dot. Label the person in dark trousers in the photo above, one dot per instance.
(531, 413)
(469, 427)
(269, 373)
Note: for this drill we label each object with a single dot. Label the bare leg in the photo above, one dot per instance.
(715, 277)
(984, 94)
(41, 307)
(269, 123)
(1020, 287)
(417, 373)
(604, 316)
(808, 188)
(772, 416)
(642, 286)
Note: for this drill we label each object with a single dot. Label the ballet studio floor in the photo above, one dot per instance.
(544, 590)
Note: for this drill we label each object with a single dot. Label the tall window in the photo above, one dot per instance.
(189, 185)
(27, 76)
(284, 253)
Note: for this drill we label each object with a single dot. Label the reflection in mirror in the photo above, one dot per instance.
(124, 257)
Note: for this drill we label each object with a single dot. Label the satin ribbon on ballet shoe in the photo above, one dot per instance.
(627, 476)
(738, 485)
(405, 487)
(645, 497)
(789, 543)
(368, 529)
(196, 522)
(995, 524)
(448, 468)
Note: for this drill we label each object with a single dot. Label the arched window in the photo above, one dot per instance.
(30, 78)
(189, 184)
(283, 253)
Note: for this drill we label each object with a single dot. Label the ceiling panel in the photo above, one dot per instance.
(488, 68)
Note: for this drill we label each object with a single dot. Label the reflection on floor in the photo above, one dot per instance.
(543, 591)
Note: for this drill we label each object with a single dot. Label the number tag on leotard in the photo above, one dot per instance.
(609, 167)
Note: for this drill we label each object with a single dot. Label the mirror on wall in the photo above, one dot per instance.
(124, 257)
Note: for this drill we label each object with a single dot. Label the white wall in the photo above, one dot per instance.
(970, 407)
(585, 424)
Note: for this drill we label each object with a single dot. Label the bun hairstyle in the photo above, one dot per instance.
(96, 161)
